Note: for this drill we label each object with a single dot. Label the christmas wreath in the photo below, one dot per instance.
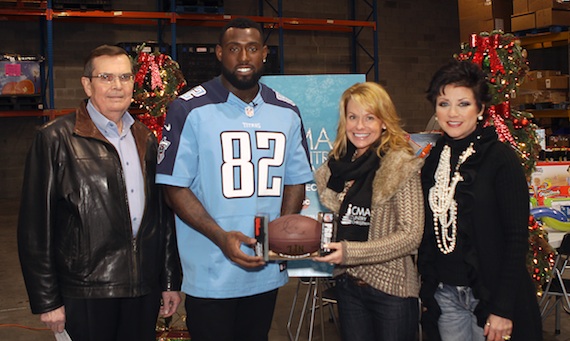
(158, 80)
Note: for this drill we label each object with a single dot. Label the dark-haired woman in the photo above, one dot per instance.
(475, 285)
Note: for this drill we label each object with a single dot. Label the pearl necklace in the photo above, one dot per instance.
(441, 201)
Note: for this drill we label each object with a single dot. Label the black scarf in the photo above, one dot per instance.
(354, 213)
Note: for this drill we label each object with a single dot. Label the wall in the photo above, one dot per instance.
(415, 37)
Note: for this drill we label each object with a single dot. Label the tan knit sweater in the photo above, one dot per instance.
(387, 260)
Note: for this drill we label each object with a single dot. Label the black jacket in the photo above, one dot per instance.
(74, 231)
(493, 211)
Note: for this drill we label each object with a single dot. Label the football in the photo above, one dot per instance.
(294, 235)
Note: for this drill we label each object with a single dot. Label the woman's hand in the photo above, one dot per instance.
(335, 257)
(498, 328)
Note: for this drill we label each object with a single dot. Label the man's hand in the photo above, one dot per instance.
(188, 208)
(230, 243)
(170, 302)
(55, 319)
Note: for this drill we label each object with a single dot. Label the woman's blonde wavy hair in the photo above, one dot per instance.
(375, 100)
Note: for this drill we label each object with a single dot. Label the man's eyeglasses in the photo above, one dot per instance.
(110, 77)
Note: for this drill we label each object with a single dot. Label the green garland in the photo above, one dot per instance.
(502, 57)
(157, 81)
(504, 60)
(540, 257)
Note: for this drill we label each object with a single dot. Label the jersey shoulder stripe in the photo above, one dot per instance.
(210, 92)
(273, 97)
(179, 111)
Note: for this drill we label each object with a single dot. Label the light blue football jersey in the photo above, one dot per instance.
(236, 157)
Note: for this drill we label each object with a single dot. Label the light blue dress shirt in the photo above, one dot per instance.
(126, 147)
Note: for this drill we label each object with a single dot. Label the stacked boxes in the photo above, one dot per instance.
(477, 16)
(542, 89)
(536, 14)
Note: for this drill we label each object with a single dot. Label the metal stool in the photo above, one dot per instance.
(320, 292)
(557, 290)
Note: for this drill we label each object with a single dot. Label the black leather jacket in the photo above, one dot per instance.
(74, 230)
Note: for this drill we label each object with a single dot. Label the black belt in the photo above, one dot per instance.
(356, 280)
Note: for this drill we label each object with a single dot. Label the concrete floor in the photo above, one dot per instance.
(16, 321)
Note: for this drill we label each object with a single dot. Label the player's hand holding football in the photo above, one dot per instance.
(230, 244)
(335, 257)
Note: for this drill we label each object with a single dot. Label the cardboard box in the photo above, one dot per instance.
(536, 5)
(485, 9)
(20, 77)
(540, 96)
(477, 16)
(469, 26)
(542, 73)
(552, 17)
(550, 183)
(474, 8)
(520, 7)
(545, 83)
(523, 22)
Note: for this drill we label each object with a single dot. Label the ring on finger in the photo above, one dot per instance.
(506, 337)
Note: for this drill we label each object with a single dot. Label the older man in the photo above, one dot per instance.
(96, 244)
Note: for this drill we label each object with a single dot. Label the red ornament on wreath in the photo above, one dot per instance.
(154, 123)
(158, 80)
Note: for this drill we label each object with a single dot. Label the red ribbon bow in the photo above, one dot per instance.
(498, 113)
(150, 63)
(487, 46)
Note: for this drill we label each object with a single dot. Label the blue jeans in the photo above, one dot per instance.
(457, 321)
(367, 314)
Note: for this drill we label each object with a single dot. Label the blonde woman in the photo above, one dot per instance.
(372, 181)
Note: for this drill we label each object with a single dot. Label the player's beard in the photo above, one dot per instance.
(242, 83)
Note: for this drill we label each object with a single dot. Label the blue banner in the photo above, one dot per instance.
(317, 96)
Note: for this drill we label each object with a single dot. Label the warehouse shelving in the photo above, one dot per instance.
(546, 40)
(47, 16)
(536, 43)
